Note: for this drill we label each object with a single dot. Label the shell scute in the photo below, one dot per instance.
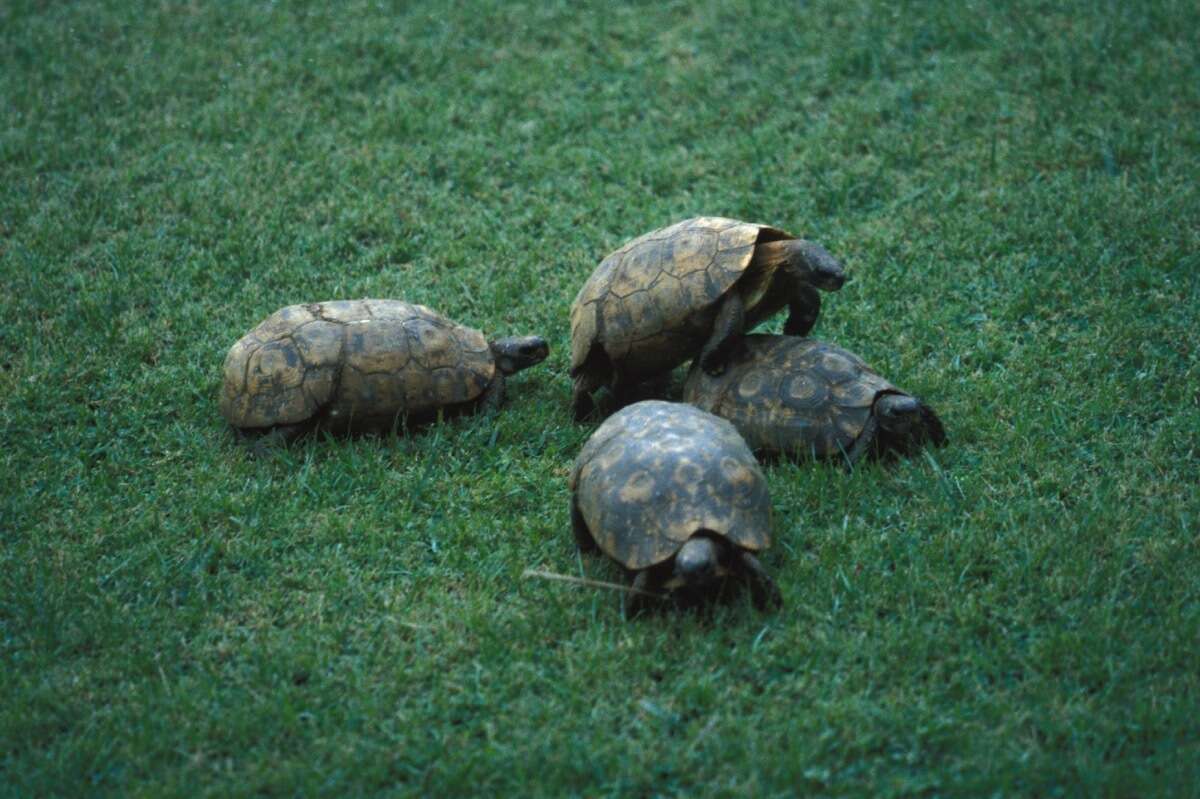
(380, 346)
(691, 250)
(344, 310)
(645, 313)
(275, 365)
(283, 322)
(319, 343)
(736, 237)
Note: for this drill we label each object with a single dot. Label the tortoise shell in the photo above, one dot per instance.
(651, 304)
(356, 361)
(790, 394)
(655, 473)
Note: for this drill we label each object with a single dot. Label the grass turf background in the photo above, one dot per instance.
(1012, 186)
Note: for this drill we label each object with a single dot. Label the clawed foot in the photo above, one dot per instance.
(712, 364)
(798, 327)
(638, 600)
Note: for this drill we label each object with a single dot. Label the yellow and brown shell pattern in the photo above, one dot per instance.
(355, 361)
(651, 303)
(655, 473)
(794, 395)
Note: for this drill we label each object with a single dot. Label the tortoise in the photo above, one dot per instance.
(362, 365)
(800, 396)
(674, 496)
(694, 286)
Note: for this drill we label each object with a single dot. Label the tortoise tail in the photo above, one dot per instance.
(934, 430)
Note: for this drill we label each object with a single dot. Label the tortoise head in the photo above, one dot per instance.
(515, 353)
(698, 562)
(813, 264)
(899, 414)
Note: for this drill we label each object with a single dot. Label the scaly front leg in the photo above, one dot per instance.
(763, 589)
(804, 308)
(493, 395)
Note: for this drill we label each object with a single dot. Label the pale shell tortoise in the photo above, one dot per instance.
(352, 365)
(693, 287)
(801, 397)
(673, 495)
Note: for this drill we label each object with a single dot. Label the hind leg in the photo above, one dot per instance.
(590, 378)
(624, 391)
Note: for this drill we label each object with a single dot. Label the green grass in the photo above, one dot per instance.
(1013, 187)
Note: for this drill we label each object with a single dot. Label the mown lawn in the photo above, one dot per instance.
(1013, 187)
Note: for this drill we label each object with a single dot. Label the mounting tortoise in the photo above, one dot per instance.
(800, 396)
(674, 495)
(693, 287)
(362, 365)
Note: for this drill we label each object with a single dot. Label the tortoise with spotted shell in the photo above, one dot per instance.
(673, 495)
(800, 396)
(693, 287)
(353, 365)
